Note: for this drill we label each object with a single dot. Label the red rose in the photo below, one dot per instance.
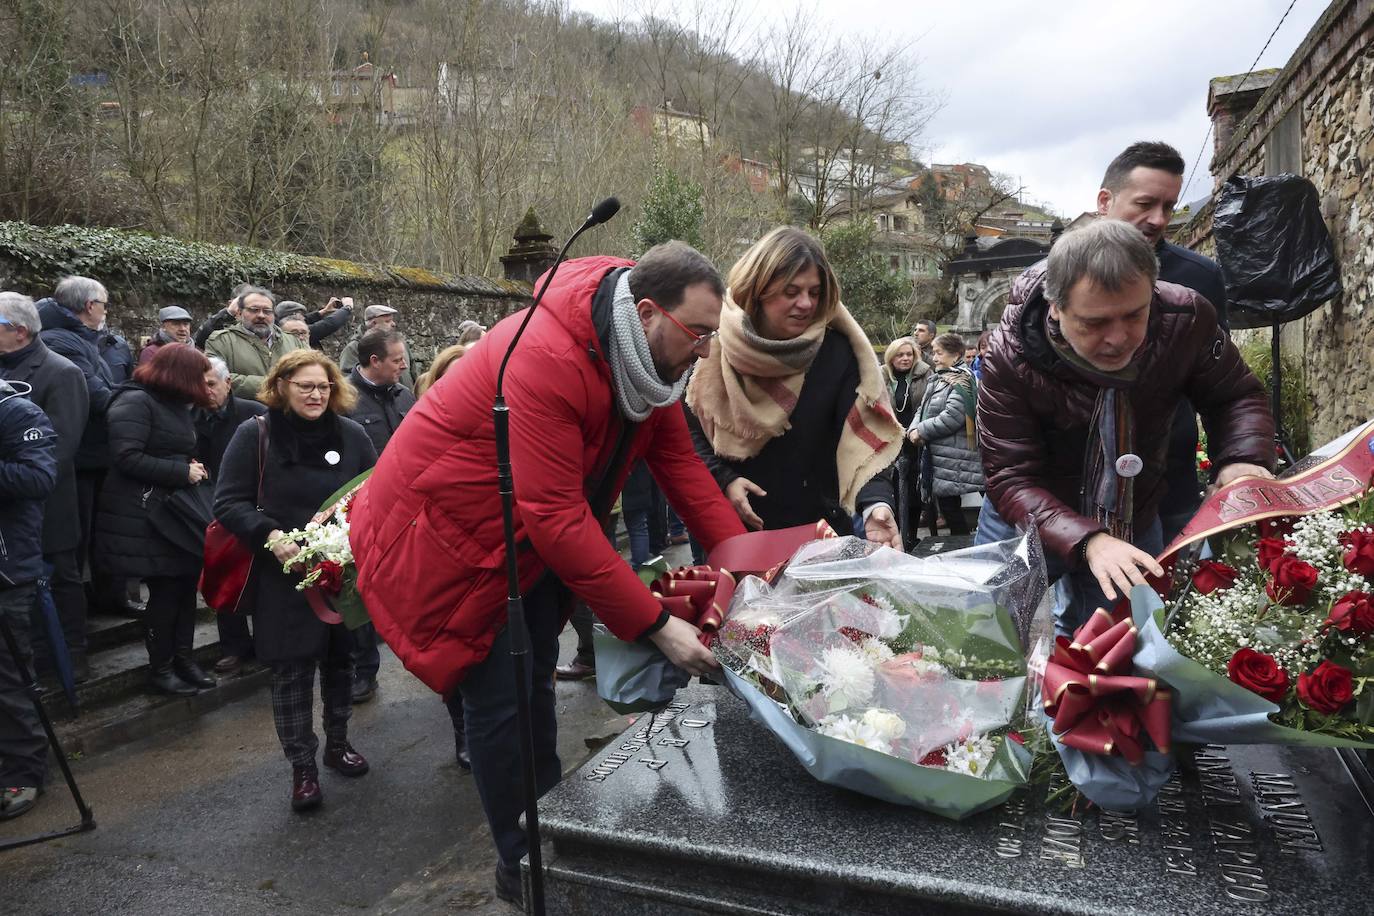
(1258, 673)
(1359, 552)
(1327, 689)
(935, 758)
(331, 577)
(1353, 613)
(1270, 549)
(1212, 575)
(1292, 581)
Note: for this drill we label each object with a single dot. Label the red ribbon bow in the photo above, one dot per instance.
(1096, 704)
(699, 595)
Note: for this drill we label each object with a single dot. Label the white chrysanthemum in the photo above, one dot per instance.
(876, 650)
(847, 677)
(855, 731)
(971, 756)
(886, 722)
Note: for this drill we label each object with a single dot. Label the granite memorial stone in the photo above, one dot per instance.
(699, 810)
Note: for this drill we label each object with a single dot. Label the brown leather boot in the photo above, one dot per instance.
(305, 788)
(340, 756)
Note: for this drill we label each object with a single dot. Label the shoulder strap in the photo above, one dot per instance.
(262, 452)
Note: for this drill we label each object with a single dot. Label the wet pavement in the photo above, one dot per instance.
(198, 821)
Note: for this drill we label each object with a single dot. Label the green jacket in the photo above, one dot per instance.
(248, 358)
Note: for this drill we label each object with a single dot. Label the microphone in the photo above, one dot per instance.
(515, 606)
(603, 211)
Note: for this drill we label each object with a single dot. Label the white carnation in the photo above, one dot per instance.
(847, 677)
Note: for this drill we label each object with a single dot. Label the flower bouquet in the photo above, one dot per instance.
(330, 580)
(1269, 641)
(898, 677)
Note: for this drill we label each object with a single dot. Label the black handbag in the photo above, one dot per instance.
(182, 515)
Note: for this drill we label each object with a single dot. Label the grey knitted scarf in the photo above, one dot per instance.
(638, 387)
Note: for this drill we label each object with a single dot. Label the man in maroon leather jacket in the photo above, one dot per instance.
(1093, 335)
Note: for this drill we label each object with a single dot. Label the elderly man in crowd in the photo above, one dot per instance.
(334, 317)
(214, 428)
(250, 347)
(1079, 390)
(296, 326)
(173, 326)
(377, 317)
(383, 403)
(59, 388)
(74, 327)
(28, 473)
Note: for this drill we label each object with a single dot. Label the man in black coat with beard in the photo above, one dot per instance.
(60, 389)
(214, 429)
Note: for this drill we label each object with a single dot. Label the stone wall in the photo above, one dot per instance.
(1330, 81)
(144, 273)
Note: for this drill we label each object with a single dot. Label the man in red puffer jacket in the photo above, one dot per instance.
(592, 387)
(1077, 399)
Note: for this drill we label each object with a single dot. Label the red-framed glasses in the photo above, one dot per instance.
(697, 339)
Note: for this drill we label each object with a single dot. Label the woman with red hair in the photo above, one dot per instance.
(152, 448)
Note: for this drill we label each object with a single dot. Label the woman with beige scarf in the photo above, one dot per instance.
(790, 410)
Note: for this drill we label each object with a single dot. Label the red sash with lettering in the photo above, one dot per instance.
(1340, 479)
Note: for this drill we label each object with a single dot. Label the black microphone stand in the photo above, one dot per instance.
(515, 604)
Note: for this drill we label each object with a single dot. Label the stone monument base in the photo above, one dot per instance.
(703, 811)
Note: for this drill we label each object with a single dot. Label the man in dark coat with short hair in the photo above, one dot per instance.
(1079, 392)
(59, 388)
(28, 473)
(382, 404)
(383, 401)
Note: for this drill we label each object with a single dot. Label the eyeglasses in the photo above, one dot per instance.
(257, 311)
(697, 339)
(309, 388)
(100, 302)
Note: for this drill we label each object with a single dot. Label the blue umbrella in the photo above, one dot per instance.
(57, 640)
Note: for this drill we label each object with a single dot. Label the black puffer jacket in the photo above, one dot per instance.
(152, 441)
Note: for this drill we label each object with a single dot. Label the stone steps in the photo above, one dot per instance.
(115, 705)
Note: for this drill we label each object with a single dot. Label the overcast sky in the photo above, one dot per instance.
(1050, 92)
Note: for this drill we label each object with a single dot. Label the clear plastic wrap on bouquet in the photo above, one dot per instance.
(900, 677)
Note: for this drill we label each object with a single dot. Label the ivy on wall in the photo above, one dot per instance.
(197, 270)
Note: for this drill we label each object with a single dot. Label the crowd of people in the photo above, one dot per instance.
(116, 458)
(696, 407)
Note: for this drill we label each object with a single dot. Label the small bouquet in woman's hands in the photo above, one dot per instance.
(329, 578)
